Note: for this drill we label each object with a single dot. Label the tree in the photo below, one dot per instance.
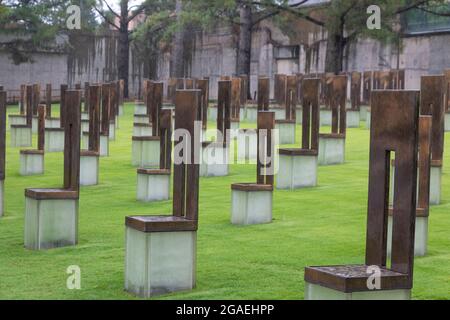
(30, 25)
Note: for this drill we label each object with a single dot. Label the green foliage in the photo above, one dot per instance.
(31, 25)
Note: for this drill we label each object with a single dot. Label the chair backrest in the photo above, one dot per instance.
(447, 90)
(280, 89)
(367, 88)
(203, 86)
(235, 98)
(186, 173)
(155, 98)
(165, 135)
(266, 151)
(338, 99)
(356, 90)
(23, 92)
(29, 99)
(2, 133)
(244, 89)
(62, 104)
(41, 127)
(48, 100)
(432, 103)
(224, 109)
(106, 101)
(394, 128)
(311, 114)
(95, 92)
(72, 140)
(36, 98)
(423, 193)
(263, 94)
(291, 97)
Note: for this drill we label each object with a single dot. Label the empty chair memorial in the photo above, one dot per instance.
(432, 103)
(2, 149)
(21, 133)
(160, 251)
(154, 184)
(251, 203)
(288, 101)
(423, 190)
(32, 161)
(353, 114)
(332, 145)
(51, 215)
(89, 158)
(215, 154)
(325, 98)
(395, 123)
(298, 166)
(146, 149)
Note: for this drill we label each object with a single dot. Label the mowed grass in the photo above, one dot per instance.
(319, 226)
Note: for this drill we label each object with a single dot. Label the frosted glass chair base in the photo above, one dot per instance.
(435, 184)
(21, 136)
(85, 116)
(247, 146)
(286, 131)
(252, 114)
(353, 118)
(153, 185)
(51, 221)
(34, 124)
(141, 118)
(112, 131)
(363, 113)
(421, 237)
(54, 123)
(251, 204)
(214, 161)
(89, 168)
(212, 113)
(84, 125)
(368, 119)
(104, 146)
(317, 292)
(31, 162)
(299, 116)
(145, 151)
(142, 130)
(159, 262)
(280, 113)
(16, 119)
(140, 109)
(234, 125)
(325, 118)
(54, 140)
(2, 197)
(297, 169)
(331, 149)
(120, 110)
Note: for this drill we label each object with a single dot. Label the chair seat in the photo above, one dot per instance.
(160, 223)
(89, 153)
(145, 138)
(32, 151)
(251, 187)
(298, 152)
(285, 121)
(420, 212)
(52, 194)
(155, 172)
(332, 135)
(353, 278)
(54, 129)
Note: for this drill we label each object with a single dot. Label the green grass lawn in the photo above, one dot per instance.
(318, 226)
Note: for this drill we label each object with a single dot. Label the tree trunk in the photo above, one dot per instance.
(335, 51)
(123, 57)
(177, 70)
(245, 43)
